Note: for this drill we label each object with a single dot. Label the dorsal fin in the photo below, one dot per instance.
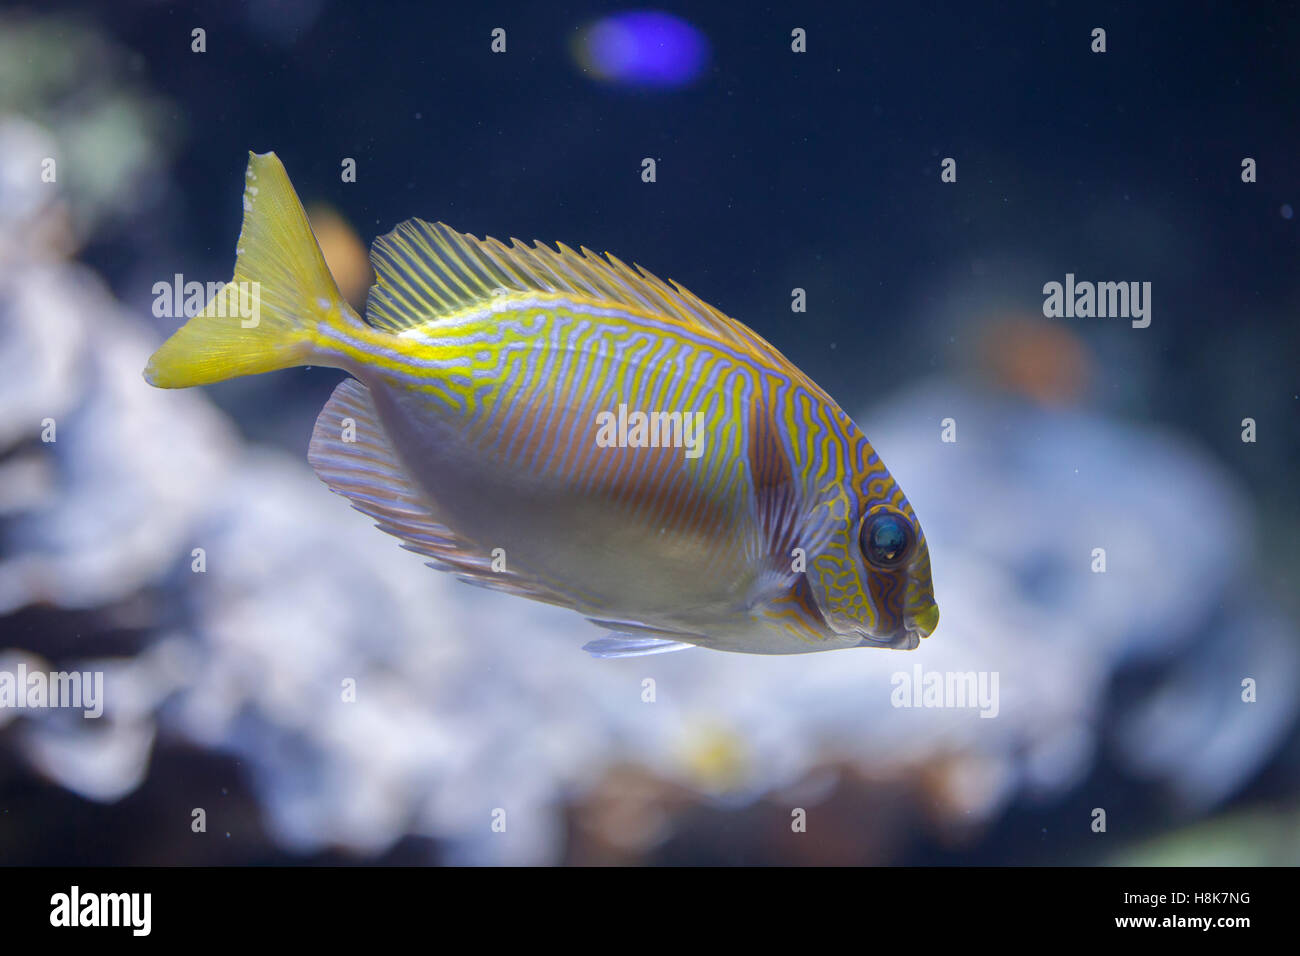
(424, 271)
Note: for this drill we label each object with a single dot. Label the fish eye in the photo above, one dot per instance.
(886, 539)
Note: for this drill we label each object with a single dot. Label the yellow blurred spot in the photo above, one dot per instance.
(716, 759)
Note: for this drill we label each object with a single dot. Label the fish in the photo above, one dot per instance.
(557, 425)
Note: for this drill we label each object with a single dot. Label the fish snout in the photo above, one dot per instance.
(924, 622)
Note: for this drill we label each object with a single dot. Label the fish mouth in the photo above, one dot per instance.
(924, 623)
(908, 637)
(904, 639)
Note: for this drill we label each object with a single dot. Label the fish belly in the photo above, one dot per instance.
(584, 538)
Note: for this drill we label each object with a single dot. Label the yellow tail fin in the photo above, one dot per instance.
(266, 318)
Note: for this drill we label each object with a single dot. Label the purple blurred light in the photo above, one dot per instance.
(644, 48)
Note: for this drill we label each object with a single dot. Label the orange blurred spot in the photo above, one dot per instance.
(1043, 361)
(344, 252)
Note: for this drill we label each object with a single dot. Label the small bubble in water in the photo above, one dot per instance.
(1287, 211)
